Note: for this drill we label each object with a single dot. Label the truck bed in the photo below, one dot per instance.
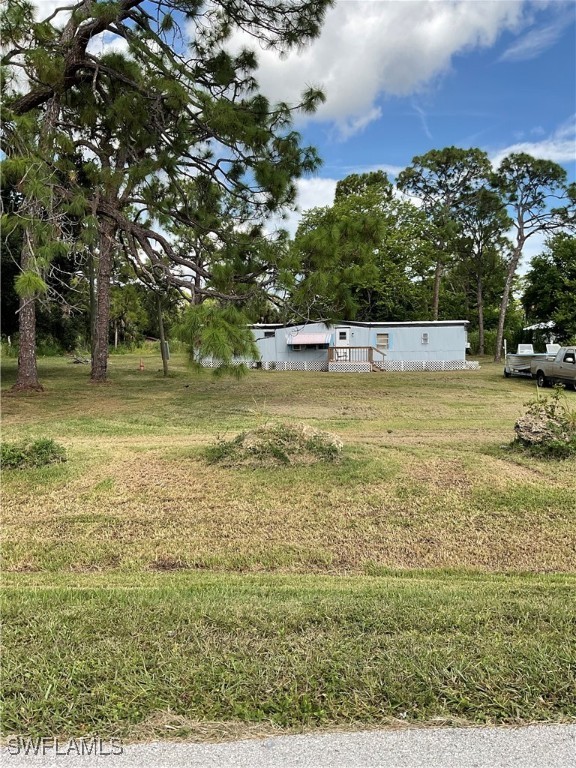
(520, 364)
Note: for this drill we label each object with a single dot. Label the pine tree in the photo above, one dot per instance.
(201, 115)
(440, 179)
(532, 190)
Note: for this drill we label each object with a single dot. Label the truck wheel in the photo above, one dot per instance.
(507, 373)
(541, 380)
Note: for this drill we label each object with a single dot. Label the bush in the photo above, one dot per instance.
(548, 429)
(278, 443)
(8, 350)
(24, 454)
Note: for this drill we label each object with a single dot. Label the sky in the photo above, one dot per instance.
(402, 77)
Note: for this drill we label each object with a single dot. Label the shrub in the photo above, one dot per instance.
(36, 454)
(277, 443)
(548, 428)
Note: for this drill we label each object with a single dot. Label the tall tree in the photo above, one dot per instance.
(334, 246)
(538, 201)
(550, 287)
(366, 256)
(440, 179)
(482, 247)
(204, 116)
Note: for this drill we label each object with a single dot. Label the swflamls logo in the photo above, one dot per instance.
(47, 745)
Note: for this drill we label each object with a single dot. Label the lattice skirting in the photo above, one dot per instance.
(349, 366)
(295, 365)
(360, 367)
(429, 365)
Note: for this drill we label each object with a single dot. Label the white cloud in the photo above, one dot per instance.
(536, 41)
(371, 49)
(98, 45)
(107, 43)
(423, 119)
(559, 147)
(312, 193)
(45, 9)
(354, 125)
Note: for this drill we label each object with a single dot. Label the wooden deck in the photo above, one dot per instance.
(355, 355)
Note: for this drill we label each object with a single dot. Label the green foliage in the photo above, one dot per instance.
(29, 284)
(150, 120)
(489, 342)
(550, 287)
(366, 256)
(278, 443)
(25, 454)
(8, 350)
(221, 333)
(552, 425)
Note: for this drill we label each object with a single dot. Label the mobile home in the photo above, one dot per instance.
(363, 347)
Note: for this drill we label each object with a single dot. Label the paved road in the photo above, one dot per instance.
(552, 746)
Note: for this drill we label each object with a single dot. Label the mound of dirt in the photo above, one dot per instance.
(277, 444)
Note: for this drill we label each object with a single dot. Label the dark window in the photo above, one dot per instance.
(382, 341)
(342, 335)
(269, 334)
(304, 347)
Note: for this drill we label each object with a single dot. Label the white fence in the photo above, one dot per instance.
(429, 365)
(391, 366)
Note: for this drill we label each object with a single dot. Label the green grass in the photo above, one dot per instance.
(427, 576)
(90, 656)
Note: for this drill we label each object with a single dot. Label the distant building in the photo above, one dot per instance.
(363, 347)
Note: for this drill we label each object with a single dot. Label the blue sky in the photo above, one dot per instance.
(402, 77)
(405, 76)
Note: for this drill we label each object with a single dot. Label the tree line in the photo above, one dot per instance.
(143, 167)
(445, 242)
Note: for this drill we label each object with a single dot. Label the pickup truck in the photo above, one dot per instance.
(560, 368)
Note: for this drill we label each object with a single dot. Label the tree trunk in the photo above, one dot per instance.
(512, 267)
(436, 298)
(92, 285)
(163, 349)
(480, 303)
(102, 325)
(27, 378)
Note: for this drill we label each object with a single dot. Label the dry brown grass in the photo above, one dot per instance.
(424, 482)
(145, 508)
(168, 726)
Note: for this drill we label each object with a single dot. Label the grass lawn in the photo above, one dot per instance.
(427, 576)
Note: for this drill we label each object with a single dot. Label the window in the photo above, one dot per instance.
(425, 338)
(304, 347)
(342, 335)
(382, 341)
(269, 334)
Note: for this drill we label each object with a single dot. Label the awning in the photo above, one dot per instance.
(308, 339)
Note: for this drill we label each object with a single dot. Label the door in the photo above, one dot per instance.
(342, 342)
(566, 369)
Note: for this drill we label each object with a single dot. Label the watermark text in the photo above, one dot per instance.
(48, 745)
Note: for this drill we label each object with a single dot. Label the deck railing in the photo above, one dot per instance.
(355, 355)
